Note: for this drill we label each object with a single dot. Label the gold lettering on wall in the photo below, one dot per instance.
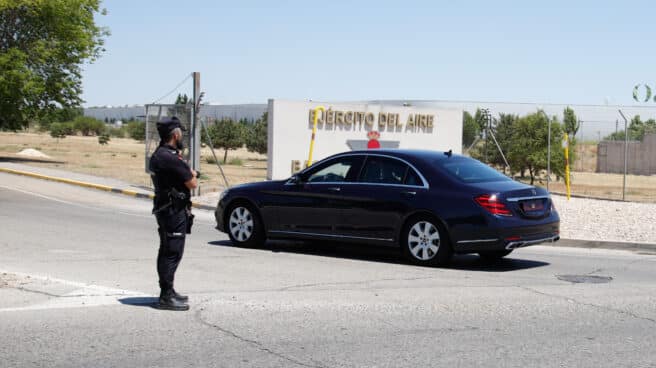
(383, 121)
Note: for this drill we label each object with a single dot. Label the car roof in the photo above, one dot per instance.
(423, 155)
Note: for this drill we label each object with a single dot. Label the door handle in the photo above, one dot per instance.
(334, 189)
(408, 194)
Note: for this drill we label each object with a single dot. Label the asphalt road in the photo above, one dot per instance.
(77, 275)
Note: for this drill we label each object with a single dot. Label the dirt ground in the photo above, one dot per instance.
(124, 159)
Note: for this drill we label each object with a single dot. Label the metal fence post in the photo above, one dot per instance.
(626, 153)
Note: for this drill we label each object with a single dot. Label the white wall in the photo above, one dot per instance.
(290, 130)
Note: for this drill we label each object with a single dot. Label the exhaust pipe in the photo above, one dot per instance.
(525, 243)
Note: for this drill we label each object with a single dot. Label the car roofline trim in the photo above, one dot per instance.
(421, 176)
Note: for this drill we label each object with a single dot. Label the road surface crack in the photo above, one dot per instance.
(364, 282)
(609, 309)
(199, 318)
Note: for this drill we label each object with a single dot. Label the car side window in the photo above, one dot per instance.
(412, 178)
(336, 171)
(383, 170)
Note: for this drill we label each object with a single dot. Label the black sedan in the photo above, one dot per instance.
(430, 204)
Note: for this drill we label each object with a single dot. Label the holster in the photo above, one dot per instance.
(190, 221)
(179, 200)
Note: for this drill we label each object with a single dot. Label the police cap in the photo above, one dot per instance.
(166, 125)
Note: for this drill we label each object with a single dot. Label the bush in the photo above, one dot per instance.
(137, 130)
(88, 125)
(57, 130)
(256, 135)
(236, 161)
(103, 138)
(61, 130)
(116, 132)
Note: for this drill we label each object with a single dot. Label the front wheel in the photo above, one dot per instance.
(424, 242)
(244, 226)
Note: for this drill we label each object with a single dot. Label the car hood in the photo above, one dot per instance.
(259, 185)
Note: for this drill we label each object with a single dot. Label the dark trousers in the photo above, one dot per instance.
(172, 230)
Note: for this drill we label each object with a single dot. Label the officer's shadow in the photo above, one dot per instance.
(141, 301)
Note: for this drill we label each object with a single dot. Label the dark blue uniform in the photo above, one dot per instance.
(170, 172)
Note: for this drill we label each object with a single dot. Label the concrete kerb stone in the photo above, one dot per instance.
(105, 188)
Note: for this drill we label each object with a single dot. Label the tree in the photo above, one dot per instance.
(43, 44)
(88, 125)
(256, 137)
(470, 129)
(182, 99)
(529, 145)
(226, 134)
(137, 130)
(570, 122)
(58, 130)
(637, 130)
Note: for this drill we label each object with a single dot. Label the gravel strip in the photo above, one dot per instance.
(596, 219)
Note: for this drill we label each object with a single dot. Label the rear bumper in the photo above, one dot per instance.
(525, 243)
(510, 238)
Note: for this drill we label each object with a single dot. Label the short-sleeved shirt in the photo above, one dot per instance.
(170, 171)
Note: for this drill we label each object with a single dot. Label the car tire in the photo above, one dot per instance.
(424, 242)
(244, 226)
(494, 255)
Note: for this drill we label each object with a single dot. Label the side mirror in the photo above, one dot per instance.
(295, 179)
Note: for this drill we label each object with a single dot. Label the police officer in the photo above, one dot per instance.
(173, 179)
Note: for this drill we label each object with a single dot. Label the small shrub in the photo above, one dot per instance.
(103, 138)
(236, 162)
(210, 160)
(57, 130)
(117, 132)
(88, 125)
(137, 130)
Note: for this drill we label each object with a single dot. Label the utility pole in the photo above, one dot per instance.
(195, 129)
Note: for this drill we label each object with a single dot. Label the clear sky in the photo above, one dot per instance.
(584, 52)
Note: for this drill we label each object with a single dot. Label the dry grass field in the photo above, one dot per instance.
(124, 159)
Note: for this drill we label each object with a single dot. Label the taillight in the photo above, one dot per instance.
(492, 204)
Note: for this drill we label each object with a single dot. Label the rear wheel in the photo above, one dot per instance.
(494, 255)
(424, 242)
(245, 227)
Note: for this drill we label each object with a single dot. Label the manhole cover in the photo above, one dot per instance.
(587, 279)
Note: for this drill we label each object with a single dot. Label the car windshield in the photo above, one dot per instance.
(472, 171)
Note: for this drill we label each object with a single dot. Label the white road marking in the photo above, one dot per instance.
(85, 295)
(71, 203)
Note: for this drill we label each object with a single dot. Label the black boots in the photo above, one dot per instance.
(170, 300)
(180, 297)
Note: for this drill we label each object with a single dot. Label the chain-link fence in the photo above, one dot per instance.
(603, 162)
(155, 113)
(218, 168)
(612, 149)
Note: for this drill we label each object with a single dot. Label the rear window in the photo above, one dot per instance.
(472, 171)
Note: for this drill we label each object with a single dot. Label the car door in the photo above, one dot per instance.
(386, 190)
(312, 206)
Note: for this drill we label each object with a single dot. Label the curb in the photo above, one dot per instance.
(105, 188)
(641, 248)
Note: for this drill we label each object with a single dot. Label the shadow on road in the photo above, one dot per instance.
(140, 301)
(469, 262)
